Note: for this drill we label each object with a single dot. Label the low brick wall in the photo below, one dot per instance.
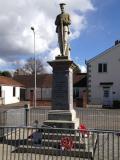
(41, 103)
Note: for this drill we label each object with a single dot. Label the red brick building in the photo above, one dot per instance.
(44, 88)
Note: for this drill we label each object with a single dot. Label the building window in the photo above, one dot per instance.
(102, 67)
(14, 91)
(0, 91)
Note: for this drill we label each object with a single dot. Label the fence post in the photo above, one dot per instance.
(27, 108)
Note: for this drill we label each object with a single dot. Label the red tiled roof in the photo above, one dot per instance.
(80, 80)
(9, 81)
(42, 81)
(45, 80)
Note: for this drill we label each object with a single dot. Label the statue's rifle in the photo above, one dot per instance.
(62, 37)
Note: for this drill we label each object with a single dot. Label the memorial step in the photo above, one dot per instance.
(52, 143)
(57, 136)
(62, 123)
(81, 153)
(62, 115)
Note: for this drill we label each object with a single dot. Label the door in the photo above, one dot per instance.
(107, 98)
(31, 97)
(22, 94)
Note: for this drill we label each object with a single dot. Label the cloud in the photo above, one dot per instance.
(83, 69)
(78, 24)
(80, 64)
(16, 18)
(2, 62)
(80, 5)
(11, 65)
(45, 57)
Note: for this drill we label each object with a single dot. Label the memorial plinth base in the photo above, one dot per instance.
(62, 115)
(62, 119)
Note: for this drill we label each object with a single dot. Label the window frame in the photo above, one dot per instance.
(0, 91)
(102, 67)
(106, 93)
(14, 91)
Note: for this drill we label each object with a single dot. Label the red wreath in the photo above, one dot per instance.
(83, 130)
(66, 143)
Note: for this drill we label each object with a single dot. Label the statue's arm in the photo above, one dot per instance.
(57, 21)
(67, 20)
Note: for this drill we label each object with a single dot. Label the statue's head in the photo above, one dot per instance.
(62, 7)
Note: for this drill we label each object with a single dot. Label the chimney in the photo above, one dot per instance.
(117, 42)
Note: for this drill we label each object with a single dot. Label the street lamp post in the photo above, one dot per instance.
(32, 28)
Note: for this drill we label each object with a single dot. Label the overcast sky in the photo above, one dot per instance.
(17, 17)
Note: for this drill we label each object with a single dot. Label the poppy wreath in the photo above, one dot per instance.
(66, 142)
(83, 130)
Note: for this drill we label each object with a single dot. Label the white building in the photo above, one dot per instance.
(104, 77)
(9, 90)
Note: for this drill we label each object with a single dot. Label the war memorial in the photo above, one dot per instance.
(62, 115)
(57, 133)
(61, 136)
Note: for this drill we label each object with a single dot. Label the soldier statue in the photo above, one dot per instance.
(62, 23)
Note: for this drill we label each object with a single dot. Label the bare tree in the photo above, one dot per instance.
(29, 67)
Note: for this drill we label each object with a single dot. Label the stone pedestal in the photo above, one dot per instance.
(62, 115)
(62, 86)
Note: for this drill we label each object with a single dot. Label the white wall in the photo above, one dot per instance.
(8, 94)
(112, 58)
